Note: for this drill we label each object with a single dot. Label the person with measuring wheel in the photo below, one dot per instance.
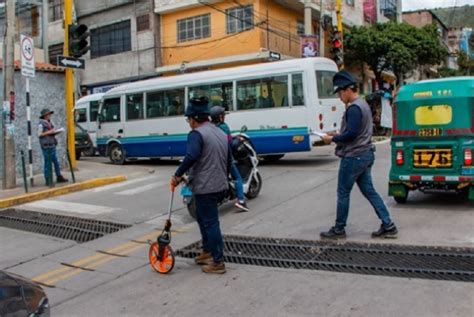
(354, 147)
(48, 142)
(218, 118)
(207, 162)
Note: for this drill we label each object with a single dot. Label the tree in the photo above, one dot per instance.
(466, 64)
(397, 47)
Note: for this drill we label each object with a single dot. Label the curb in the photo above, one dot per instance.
(26, 198)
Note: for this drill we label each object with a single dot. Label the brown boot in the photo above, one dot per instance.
(213, 267)
(203, 258)
(61, 179)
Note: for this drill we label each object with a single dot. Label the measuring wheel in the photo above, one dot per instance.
(162, 263)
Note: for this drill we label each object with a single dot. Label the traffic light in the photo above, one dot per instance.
(78, 44)
(336, 50)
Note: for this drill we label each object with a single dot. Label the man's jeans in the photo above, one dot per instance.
(239, 187)
(207, 216)
(357, 170)
(50, 156)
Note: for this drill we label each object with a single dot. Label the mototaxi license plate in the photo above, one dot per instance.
(432, 158)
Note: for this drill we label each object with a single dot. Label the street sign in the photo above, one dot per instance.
(274, 56)
(27, 56)
(71, 62)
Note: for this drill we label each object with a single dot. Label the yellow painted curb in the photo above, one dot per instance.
(26, 198)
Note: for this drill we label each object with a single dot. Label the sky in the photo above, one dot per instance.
(410, 5)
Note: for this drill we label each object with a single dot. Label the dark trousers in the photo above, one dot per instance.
(207, 216)
(49, 155)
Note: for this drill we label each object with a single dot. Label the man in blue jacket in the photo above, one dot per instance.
(207, 162)
(354, 147)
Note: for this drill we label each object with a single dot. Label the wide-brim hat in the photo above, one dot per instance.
(197, 107)
(343, 80)
(45, 112)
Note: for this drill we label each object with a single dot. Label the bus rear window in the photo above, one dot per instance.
(434, 114)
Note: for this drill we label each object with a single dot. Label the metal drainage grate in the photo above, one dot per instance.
(64, 227)
(439, 263)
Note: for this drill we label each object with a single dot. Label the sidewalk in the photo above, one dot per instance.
(91, 172)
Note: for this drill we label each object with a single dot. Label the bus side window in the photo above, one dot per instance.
(218, 94)
(111, 110)
(135, 107)
(297, 90)
(81, 115)
(324, 84)
(174, 102)
(262, 92)
(93, 110)
(154, 104)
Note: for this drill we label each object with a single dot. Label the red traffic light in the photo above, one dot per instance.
(336, 43)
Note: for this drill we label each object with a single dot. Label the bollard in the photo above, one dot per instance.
(70, 166)
(23, 167)
(50, 164)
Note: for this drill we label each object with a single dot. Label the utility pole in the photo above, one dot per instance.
(44, 30)
(69, 86)
(321, 29)
(9, 166)
(339, 24)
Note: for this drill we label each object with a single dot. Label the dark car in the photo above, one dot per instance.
(20, 296)
(82, 140)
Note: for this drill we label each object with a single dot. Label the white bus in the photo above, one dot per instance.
(86, 111)
(277, 105)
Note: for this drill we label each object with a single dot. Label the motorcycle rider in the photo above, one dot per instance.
(218, 118)
(207, 162)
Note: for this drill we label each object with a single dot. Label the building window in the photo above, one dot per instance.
(111, 39)
(54, 52)
(300, 28)
(143, 22)
(239, 19)
(55, 10)
(350, 2)
(389, 8)
(194, 28)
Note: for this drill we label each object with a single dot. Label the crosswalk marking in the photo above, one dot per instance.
(71, 207)
(123, 184)
(141, 189)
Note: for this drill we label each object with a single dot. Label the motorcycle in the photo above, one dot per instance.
(246, 160)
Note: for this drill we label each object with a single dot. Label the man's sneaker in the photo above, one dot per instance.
(389, 231)
(213, 267)
(241, 205)
(61, 179)
(203, 258)
(333, 233)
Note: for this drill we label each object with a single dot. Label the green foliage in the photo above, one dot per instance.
(393, 47)
(466, 64)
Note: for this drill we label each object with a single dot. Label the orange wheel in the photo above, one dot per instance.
(164, 266)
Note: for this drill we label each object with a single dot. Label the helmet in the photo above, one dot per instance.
(198, 107)
(239, 150)
(216, 112)
(342, 80)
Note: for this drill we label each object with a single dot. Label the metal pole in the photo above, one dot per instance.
(23, 168)
(44, 31)
(28, 119)
(308, 20)
(69, 87)
(70, 168)
(321, 30)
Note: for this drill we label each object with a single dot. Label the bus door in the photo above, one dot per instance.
(111, 122)
(329, 108)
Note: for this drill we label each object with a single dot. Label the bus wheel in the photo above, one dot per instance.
(402, 199)
(255, 187)
(272, 158)
(191, 205)
(116, 154)
(90, 151)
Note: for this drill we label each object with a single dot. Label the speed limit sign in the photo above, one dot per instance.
(27, 56)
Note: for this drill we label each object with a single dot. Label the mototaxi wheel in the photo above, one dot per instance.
(254, 187)
(401, 199)
(116, 154)
(166, 265)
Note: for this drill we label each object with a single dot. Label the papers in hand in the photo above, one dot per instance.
(58, 130)
(320, 134)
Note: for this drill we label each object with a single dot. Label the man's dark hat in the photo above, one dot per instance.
(197, 107)
(44, 112)
(343, 80)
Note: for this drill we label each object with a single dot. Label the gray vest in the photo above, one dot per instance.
(209, 173)
(363, 142)
(48, 141)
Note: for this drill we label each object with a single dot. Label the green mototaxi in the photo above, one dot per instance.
(433, 138)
